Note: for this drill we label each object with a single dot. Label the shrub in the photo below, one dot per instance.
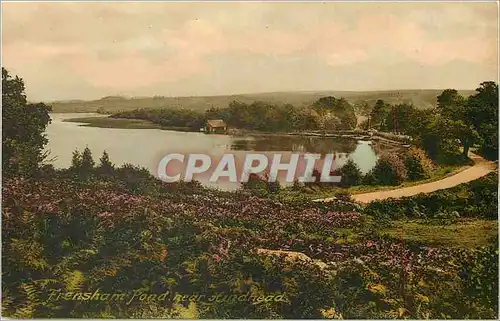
(478, 198)
(449, 153)
(351, 174)
(389, 170)
(136, 179)
(260, 186)
(343, 196)
(297, 186)
(418, 165)
(369, 178)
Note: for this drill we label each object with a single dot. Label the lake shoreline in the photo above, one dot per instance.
(145, 148)
(103, 121)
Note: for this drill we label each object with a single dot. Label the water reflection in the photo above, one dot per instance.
(320, 145)
(145, 147)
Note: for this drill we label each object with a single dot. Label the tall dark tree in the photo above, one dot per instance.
(473, 120)
(405, 118)
(23, 127)
(482, 112)
(379, 114)
(451, 104)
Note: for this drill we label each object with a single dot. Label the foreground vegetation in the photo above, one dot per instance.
(119, 230)
(101, 236)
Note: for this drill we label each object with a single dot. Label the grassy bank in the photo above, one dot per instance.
(464, 233)
(107, 122)
(316, 192)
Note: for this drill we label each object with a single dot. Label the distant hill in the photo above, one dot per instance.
(423, 99)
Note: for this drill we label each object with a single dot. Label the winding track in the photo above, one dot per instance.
(480, 168)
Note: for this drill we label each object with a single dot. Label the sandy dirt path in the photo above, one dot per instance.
(480, 168)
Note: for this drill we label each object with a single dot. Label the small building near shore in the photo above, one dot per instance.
(215, 126)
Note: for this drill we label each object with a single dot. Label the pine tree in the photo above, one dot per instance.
(87, 160)
(76, 161)
(106, 166)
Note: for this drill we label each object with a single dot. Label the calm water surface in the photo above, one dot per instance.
(145, 147)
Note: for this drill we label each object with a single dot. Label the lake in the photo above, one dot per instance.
(145, 147)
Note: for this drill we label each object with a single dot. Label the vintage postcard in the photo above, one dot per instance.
(250, 160)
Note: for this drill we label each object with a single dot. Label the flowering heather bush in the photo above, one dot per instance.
(418, 165)
(389, 170)
(62, 235)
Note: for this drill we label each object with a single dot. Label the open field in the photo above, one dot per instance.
(465, 233)
(425, 98)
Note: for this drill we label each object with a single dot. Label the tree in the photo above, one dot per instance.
(473, 120)
(467, 135)
(379, 114)
(105, 164)
(23, 127)
(482, 112)
(405, 117)
(440, 139)
(389, 170)
(451, 104)
(87, 161)
(351, 174)
(76, 160)
(336, 112)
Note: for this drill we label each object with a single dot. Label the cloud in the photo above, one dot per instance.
(128, 47)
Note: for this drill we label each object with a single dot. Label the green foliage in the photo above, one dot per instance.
(260, 186)
(379, 114)
(405, 118)
(418, 165)
(105, 166)
(451, 104)
(335, 113)
(76, 160)
(482, 112)
(478, 198)
(268, 117)
(88, 163)
(459, 122)
(82, 164)
(68, 236)
(23, 127)
(440, 139)
(167, 117)
(473, 120)
(480, 275)
(389, 170)
(351, 174)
